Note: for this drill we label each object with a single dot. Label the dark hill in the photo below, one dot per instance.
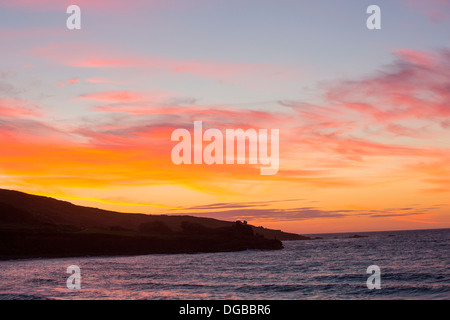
(51, 211)
(32, 226)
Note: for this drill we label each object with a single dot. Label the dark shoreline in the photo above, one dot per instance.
(112, 255)
(54, 243)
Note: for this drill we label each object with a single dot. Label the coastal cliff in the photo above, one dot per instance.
(35, 226)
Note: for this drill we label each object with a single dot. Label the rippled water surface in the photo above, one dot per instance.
(414, 265)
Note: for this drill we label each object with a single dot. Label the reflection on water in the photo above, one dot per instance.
(414, 265)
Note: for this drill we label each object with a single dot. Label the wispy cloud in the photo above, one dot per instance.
(116, 6)
(415, 86)
(258, 211)
(15, 107)
(86, 55)
(436, 10)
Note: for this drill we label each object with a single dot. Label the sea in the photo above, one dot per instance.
(412, 265)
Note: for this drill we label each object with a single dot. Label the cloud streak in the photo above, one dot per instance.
(92, 56)
(254, 212)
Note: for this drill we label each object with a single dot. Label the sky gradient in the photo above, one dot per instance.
(364, 115)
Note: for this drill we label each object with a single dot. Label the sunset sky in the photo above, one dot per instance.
(364, 115)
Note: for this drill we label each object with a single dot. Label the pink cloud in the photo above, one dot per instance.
(122, 96)
(73, 80)
(103, 80)
(108, 6)
(30, 33)
(70, 81)
(132, 101)
(39, 4)
(81, 55)
(413, 87)
(420, 58)
(436, 10)
(202, 68)
(104, 63)
(13, 107)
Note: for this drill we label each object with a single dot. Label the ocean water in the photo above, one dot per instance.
(414, 265)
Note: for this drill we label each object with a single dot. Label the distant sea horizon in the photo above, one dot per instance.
(366, 232)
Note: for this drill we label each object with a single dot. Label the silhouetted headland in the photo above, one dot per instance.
(35, 226)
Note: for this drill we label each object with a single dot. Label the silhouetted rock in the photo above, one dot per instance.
(243, 228)
(356, 236)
